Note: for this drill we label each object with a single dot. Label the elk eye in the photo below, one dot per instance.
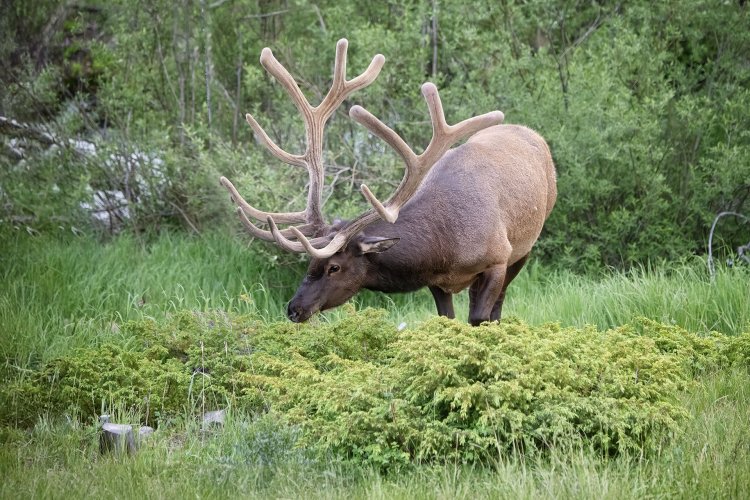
(334, 269)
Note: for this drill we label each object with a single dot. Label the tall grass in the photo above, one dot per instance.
(60, 293)
(681, 294)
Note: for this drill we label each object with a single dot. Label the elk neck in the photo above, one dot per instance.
(408, 265)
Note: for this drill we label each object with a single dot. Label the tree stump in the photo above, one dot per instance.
(116, 438)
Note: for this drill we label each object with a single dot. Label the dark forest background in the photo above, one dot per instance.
(120, 116)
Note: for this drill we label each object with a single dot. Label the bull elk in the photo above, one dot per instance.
(462, 217)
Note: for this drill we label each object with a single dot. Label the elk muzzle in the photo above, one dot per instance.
(303, 305)
(298, 313)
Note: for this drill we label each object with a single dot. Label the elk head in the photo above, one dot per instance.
(340, 251)
(332, 281)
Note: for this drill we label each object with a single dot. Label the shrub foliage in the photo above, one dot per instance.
(364, 391)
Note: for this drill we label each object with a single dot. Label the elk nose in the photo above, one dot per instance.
(294, 313)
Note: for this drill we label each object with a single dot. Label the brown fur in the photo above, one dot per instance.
(472, 223)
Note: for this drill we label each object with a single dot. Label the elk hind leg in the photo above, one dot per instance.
(510, 273)
(443, 302)
(484, 293)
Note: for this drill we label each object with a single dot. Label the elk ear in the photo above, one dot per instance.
(374, 244)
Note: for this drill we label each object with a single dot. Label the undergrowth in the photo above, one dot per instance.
(361, 390)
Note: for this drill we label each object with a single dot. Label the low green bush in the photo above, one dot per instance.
(364, 391)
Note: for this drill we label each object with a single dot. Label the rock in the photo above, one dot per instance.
(214, 418)
(144, 432)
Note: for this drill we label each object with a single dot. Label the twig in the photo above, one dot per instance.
(267, 14)
(320, 19)
(162, 63)
(434, 36)
(20, 368)
(184, 216)
(209, 65)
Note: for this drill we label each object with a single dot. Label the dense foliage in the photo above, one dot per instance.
(645, 106)
(360, 389)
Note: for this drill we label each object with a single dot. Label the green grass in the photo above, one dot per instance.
(63, 293)
(682, 294)
(58, 293)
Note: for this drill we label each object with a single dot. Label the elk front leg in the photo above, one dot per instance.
(443, 302)
(484, 294)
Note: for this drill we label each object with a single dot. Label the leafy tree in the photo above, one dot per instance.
(644, 106)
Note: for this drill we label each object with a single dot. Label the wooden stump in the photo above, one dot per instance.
(120, 438)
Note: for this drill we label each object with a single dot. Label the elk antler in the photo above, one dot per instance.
(443, 137)
(315, 118)
(295, 238)
(417, 167)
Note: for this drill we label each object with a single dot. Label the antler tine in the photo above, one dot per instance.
(332, 243)
(305, 229)
(283, 218)
(417, 167)
(339, 65)
(411, 161)
(296, 160)
(444, 135)
(268, 235)
(369, 76)
(341, 88)
(279, 72)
